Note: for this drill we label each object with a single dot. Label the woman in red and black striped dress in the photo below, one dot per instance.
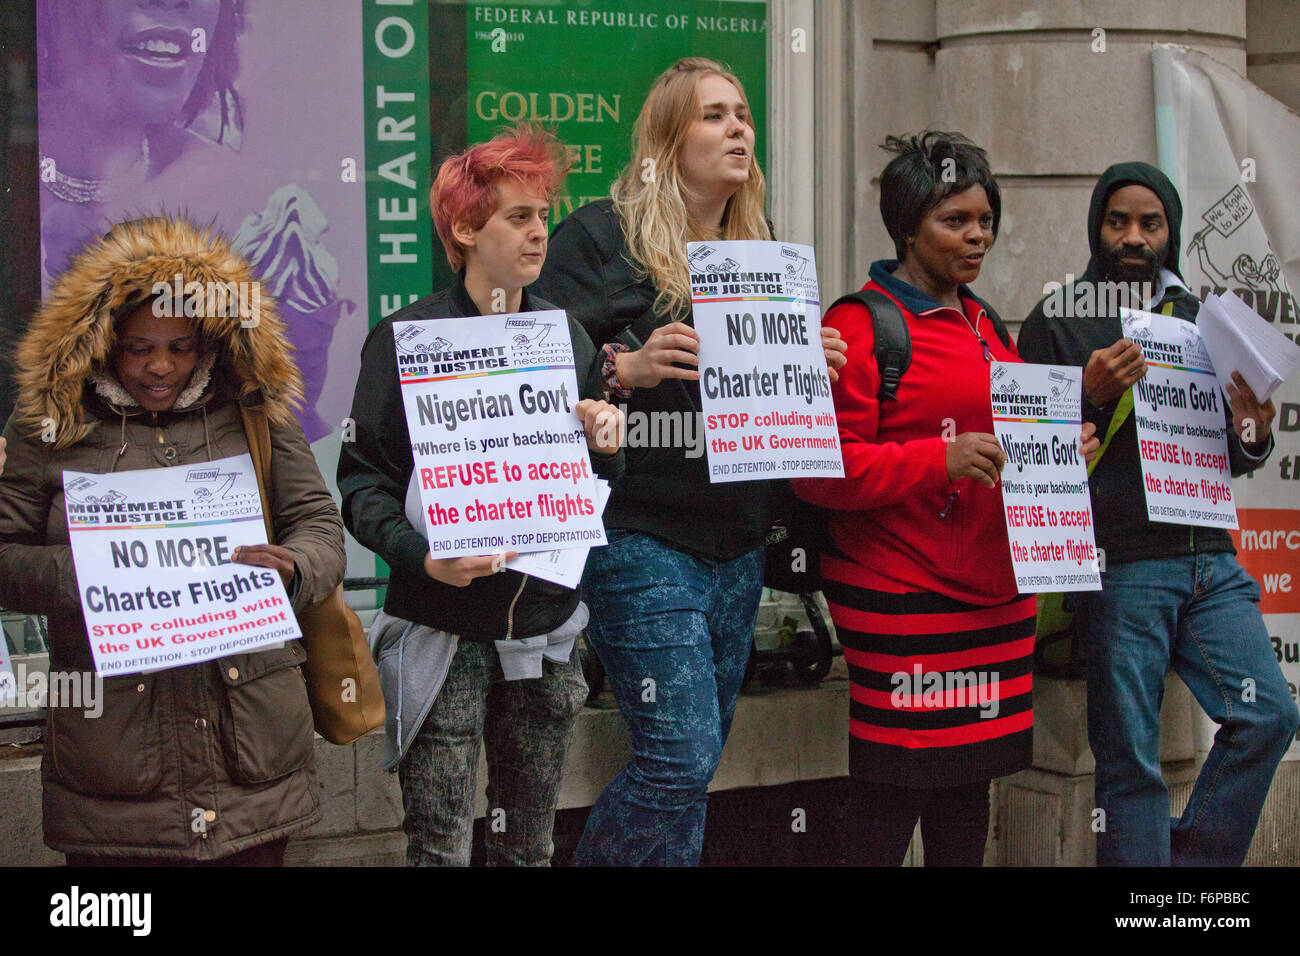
(918, 574)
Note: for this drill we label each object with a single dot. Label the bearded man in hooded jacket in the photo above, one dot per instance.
(1173, 596)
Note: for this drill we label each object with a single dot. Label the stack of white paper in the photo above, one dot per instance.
(1239, 340)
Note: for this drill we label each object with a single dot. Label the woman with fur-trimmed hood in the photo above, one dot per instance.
(207, 761)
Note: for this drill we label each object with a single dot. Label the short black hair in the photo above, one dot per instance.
(914, 182)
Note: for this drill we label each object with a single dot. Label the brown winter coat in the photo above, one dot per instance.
(198, 761)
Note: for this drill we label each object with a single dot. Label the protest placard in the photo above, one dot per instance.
(1182, 438)
(1046, 503)
(764, 389)
(563, 566)
(501, 459)
(152, 553)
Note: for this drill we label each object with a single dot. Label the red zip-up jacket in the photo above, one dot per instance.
(895, 513)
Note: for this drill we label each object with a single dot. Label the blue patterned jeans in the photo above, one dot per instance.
(526, 726)
(674, 633)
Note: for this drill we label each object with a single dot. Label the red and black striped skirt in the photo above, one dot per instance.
(941, 691)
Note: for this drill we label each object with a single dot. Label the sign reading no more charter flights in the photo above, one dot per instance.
(500, 457)
(1182, 437)
(1045, 498)
(764, 388)
(152, 553)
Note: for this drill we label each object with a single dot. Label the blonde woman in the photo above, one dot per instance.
(674, 596)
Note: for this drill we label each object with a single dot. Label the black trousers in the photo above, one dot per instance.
(954, 824)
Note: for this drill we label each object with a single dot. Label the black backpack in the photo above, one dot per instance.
(800, 531)
(893, 341)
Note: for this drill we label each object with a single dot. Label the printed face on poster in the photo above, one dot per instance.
(152, 553)
(500, 456)
(764, 388)
(1046, 502)
(1182, 436)
(203, 107)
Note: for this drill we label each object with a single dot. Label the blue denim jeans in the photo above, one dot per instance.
(1198, 614)
(673, 633)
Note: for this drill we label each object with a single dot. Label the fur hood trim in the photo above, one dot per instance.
(70, 339)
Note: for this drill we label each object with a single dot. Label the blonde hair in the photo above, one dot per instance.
(652, 208)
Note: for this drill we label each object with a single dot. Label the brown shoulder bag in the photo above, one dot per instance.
(342, 681)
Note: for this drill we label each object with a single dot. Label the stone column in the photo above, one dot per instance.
(1273, 48)
(790, 88)
(892, 76)
(1056, 92)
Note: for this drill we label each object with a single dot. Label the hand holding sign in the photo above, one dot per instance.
(1089, 443)
(1112, 371)
(459, 572)
(976, 455)
(271, 556)
(654, 361)
(835, 349)
(603, 425)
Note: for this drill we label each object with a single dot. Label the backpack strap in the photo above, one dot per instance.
(998, 326)
(258, 430)
(1123, 408)
(893, 340)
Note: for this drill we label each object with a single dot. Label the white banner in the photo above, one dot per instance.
(1048, 510)
(152, 553)
(500, 456)
(764, 388)
(1182, 438)
(1231, 150)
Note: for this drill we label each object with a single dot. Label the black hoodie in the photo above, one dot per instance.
(1118, 501)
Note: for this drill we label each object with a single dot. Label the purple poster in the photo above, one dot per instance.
(243, 114)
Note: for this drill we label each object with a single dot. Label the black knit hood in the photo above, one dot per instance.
(1140, 174)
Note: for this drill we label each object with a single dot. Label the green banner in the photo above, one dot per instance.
(584, 71)
(400, 251)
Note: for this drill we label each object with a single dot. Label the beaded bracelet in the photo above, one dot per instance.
(609, 372)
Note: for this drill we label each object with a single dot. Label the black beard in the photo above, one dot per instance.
(1116, 271)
